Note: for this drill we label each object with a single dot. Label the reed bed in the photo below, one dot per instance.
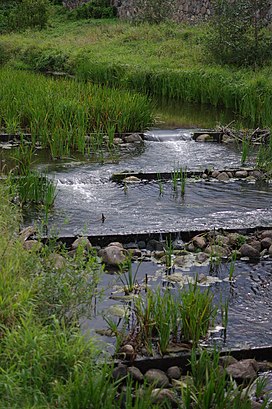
(61, 113)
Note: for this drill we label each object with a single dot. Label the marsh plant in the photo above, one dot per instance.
(246, 145)
(169, 251)
(127, 277)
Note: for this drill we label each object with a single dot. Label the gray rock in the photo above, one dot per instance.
(199, 241)
(234, 238)
(179, 261)
(270, 251)
(135, 137)
(205, 137)
(32, 245)
(135, 252)
(222, 240)
(247, 250)
(155, 245)
(202, 257)
(157, 378)
(227, 360)
(57, 260)
(131, 179)
(117, 141)
(119, 372)
(256, 174)
(136, 374)
(116, 244)
(215, 173)
(217, 250)
(241, 174)
(178, 245)
(266, 233)
(82, 242)
(255, 244)
(164, 395)
(174, 372)
(266, 242)
(245, 370)
(112, 255)
(191, 247)
(223, 177)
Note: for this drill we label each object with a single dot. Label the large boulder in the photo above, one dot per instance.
(245, 370)
(157, 377)
(246, 250)
(199, 242)
(112, 255)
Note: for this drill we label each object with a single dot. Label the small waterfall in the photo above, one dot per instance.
(160, 135)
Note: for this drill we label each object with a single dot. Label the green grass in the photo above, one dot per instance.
(60, 113)
(163, 60)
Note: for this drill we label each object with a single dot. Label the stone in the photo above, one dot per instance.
(27, 232)
(270, 251)
(255, 244)
(117, 141)
(164, 395)
(215, 173)
(32, 245)
(223, 177)
(135, 374)
(131, 179)
(199, 241)
(57, 260)
(112, 255)
(178, 244)
(230, 174)
(222, 240)
(157, 378)
(247, 250)
(82, 242)
(116, 244)
(135, 137)
(191, 247)
(202, 257)
(241, 174)
(233, 238)
(216, 250)
(256, 174)
(266, 242)
(135, 252)
(174, 372)
(227, 360)
(266, 233)
(205, 137)
(245, 370)
(155, 245)
(119, 372)
(179, 261)
(128, 352)
(141, 244)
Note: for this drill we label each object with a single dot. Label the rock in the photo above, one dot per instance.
(135, 137)
(57, 260)
(157, 378)
(116, 244)
(204, 176)
(234, 239)
(32, 245)
(199, 242)
(128, 352)
(205, 137)
(135, 374)
(215, 173)
(191, 247)
(119, 372)
(270, 251)
(266, 233)
(178, 244)
(247, 250)
(82, 242)
(256, 405)
(256, 174)
(227, 360)
(227, 139)
(241, 174)
(112, 255)
(164, 395)
(255, 244)
(155, 245)
(135, 252)
(117, 141)
(27, 232)
(245, 370)
(266, 242)
(141, 244)
(223, 177)
(179, 261)
(202, 257)
(173, 372)
(131, 179)
(222, 240)
(216, 250)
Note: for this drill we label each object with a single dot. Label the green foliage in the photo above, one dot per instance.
(22, 14)
(238, 34)
(94, 9)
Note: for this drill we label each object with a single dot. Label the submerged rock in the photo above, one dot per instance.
(241, 174)
(131, 179)
(223, 177)
(134, 137)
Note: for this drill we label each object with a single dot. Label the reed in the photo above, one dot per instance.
(61, 113)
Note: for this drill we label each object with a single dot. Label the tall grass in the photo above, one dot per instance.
(61, 113)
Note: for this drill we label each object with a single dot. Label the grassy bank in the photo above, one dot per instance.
(162, 60)
(60, 113)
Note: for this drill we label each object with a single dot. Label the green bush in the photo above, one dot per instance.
(94, 9)
(238, 32)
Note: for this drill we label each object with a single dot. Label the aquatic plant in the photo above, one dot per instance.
(183, 179)
(169, 251)
(245, 149)
(127, 277)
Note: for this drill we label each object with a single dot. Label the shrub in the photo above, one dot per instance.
(238, 33)
(153, 11)
(94, 9)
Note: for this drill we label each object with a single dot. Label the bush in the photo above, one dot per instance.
(238, 34)
(153, 11)
(94, 9)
